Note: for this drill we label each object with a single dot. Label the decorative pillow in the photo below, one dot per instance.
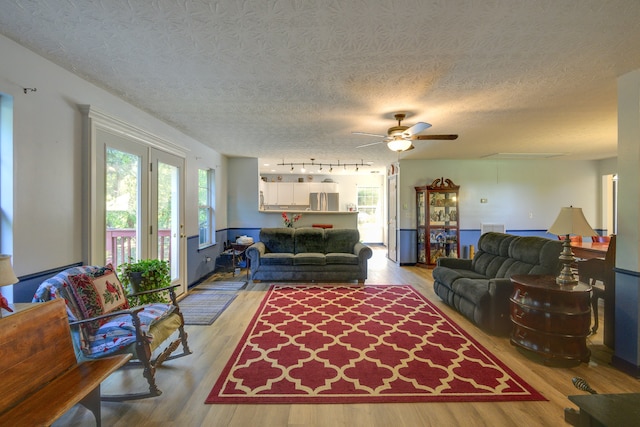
(58, 286)
(98, 294)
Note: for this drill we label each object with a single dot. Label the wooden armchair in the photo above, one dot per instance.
(103, 324)
(600, 270)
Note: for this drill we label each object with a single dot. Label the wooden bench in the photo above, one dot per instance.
(41, 379)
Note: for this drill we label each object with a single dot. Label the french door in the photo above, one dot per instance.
(142, 208)
(167, 234)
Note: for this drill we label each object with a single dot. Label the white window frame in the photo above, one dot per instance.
(209, 206)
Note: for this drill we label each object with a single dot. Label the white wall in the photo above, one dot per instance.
(48, 158)
(522, 194)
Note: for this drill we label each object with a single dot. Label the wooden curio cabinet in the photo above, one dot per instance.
(437, 221)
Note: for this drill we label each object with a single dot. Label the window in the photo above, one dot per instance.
(368, 205)
(6, 173)
(206, 208)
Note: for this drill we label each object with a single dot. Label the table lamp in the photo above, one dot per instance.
(569, 221)
(7, 277)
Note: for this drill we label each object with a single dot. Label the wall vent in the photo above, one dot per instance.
(485, 228)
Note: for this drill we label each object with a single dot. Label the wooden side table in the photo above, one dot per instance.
(551, 320)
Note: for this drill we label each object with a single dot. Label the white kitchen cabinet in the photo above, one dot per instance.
(270, 193)
(285, 193)
(301, 194)
(293, 193)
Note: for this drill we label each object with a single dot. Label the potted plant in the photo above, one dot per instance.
(145, 275)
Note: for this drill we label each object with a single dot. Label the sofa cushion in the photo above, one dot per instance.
(309, 258)
(277, 259)
(309, 240)
(542, 255)
(493, 251)
(278, 240)
(448, 276)
(474, 290)
(340, 240)
(342, 258)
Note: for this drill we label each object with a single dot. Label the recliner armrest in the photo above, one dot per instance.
(500, 291)
(363, 251)
(256, 250)
(501, 288)
(253, 253)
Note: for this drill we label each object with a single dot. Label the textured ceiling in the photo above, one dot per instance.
(290, 80)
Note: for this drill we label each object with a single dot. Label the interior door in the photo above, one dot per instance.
(392, 230)
(167, 234)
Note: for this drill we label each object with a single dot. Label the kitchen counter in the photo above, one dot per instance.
(339, 219)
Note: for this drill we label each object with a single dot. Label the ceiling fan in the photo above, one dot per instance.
(399, 137)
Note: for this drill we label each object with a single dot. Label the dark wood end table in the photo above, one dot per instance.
(551, 320)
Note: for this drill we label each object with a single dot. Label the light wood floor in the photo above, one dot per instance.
(186, 382)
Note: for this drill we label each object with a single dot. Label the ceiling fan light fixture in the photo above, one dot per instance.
(399, 144)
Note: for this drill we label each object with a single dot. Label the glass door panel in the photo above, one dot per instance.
(167, 230)
(123, 239)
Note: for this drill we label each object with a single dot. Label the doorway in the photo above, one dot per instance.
(135, 190)
(392, 215)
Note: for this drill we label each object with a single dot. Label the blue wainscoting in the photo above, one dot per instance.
(408, 239)
(23, 290)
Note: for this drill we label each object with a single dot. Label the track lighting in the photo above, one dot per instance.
(320, 165)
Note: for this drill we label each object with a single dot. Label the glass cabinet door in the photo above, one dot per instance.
(437, 221)
(421, 209)
(421, 215)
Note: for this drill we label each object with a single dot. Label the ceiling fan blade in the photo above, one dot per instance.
(441, 137)
(368, 134)
(417, 128)
(367, 145)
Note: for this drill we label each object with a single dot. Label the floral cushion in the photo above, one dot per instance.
(58, 287)
(97, 294)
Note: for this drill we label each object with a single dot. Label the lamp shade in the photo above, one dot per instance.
(399, 144)
(7, 276)
(571, 221)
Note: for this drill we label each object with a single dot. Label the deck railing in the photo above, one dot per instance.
(122, 245)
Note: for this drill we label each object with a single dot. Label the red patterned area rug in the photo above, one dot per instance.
(360, 344)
